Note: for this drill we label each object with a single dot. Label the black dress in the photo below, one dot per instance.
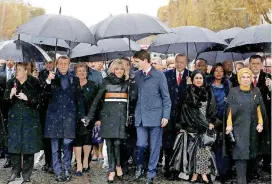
(197, 112)
(84, 134)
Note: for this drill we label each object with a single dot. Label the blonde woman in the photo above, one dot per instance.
(114, 98)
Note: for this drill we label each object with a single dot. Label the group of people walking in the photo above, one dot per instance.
(202, 124)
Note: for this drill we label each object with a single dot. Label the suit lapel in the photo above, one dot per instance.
(261, 80)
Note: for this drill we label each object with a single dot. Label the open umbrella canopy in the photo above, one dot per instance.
(133, 26)
(42, 41)
(229, 34)
(108, 49)
(57, 26)
(84, 49)
(252, 39)
(20, 51)
(220, 56)
(189, 40)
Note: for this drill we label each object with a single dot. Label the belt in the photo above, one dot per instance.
(116, 95)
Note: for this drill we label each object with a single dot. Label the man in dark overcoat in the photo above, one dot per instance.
(261, 80)
(65, 107)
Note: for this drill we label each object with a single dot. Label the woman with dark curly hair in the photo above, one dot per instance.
(220, 87)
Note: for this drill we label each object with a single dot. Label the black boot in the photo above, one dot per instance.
(138, 173)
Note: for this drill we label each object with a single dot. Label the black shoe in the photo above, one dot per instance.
(7, 164)
(50, 170)
(110, 181)
(60, 178)
(45, 168)
(150, 181)
(12, 177)
(138, 173)
(267, 168)
(68, 175)
(159, 165)
(86, 169)
(79, 173)
(167, 174)
(26, 181)
(119, 177)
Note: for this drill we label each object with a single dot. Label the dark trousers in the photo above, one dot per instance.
(241, 170)
(266, 161)
(113, 151)
(58, 165)
(152, 137)
(28, 164)
(47, 152)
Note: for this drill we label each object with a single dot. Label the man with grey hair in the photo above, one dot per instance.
(157, 63)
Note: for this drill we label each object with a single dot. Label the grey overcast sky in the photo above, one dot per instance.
(92, 11)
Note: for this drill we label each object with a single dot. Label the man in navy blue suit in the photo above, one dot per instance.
(152, 113)
(177, 83)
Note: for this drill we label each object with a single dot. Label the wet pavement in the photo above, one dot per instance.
(97, 175)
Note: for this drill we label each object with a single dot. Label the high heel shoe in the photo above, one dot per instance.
(120, 177)
(86, 169)
(207, 181)
(110, 181)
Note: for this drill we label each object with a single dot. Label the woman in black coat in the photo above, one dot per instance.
(197, 117)
(246, 117)
(24, 128)
(115, 93)
(83, 133)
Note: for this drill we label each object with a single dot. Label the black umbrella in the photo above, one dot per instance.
(42, 41)
(252, 39)
(106, 49)
(190, 40)
(220, 56)
(133, 26)
(229, 34)
(57, 26)
(20, 51)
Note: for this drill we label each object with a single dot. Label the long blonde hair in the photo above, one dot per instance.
(118, 63)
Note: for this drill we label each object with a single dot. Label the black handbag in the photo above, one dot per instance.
(208, 138)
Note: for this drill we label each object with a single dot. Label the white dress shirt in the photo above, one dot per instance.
(9, 73)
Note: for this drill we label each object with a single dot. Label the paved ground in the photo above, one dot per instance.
(97, 175)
